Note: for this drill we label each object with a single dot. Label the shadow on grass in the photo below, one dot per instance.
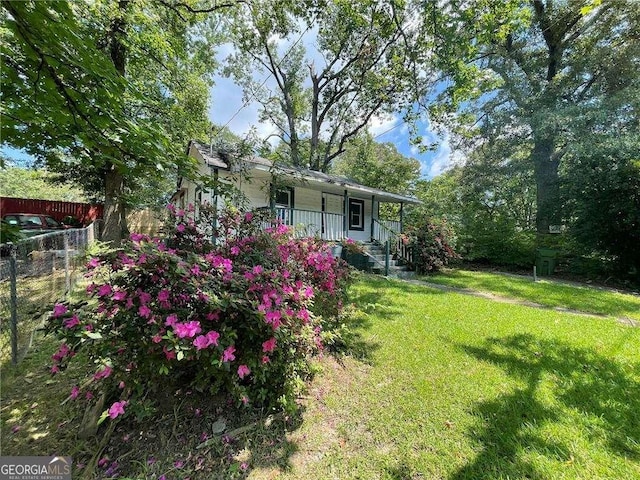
(375, 299)
(511, 425)
(386, 298)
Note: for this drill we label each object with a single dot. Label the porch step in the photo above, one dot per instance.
(377, 258)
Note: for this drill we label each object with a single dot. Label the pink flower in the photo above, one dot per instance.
(272, 317)
(119, 295)
(235, 250)
(248, 216)
(269, 345)
(228, 354)
(104, 373)
(265, 359)
(62, 352)
(144, 311)
(55, 369)
(59, 310)
(212, 337)
(201, 342)
(180, 227)
(163, 295)
(117, 409)
(303, 315)
(104, 290)
(257, 270)
(74, 392)
(171, 320)
(72, 322)
(169, 354)
(156, 338)
(144, 298)
(88, 395)
(243, 371)
(121, 385)
(195, 270)
(93, 263)
(187, 329)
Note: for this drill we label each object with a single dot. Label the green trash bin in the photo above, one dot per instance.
(546, 261)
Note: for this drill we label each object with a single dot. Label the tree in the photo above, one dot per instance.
(604, 202)
(535, 72)
(105, 92)
(489, 202)
(378, 165)
(323, 99)
(40, 184)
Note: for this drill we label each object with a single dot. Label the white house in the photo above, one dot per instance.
(314, 203)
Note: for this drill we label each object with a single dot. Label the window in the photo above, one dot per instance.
(356, 214)
(284, 204)
(31, 221)
(284, 198)
(51, 222)
(11, 220)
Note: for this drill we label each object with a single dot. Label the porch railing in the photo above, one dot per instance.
(389, 231)
(310, 223)
(385, 230)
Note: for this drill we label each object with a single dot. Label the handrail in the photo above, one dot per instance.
(383, 234)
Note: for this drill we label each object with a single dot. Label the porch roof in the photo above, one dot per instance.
(304, 176)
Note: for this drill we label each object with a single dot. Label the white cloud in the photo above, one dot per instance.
(381, 124)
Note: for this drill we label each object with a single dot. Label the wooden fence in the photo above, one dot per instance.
(84, 212)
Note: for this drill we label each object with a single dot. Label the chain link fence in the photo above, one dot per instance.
(34, 274)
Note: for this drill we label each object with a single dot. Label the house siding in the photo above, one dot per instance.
(306, 199)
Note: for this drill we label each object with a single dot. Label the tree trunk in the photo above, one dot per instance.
(547, 183)
(115, 219)
(115, 223)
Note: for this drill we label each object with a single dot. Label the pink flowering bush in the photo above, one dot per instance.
(241, 316)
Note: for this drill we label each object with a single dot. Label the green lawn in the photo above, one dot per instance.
(545, 292)
(460, 387)
(442, 386)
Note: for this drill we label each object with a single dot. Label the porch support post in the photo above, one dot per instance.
(373, 201)
(401, 217)
(214, 203)
(345, 220)
(272, 199)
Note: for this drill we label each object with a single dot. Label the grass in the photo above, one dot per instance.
(448, 386)
(545, 292)
(35, 296)
(460, 387)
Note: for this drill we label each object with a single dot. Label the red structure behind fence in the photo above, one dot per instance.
(84, 212)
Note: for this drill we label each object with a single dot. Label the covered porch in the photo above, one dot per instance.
(335, 226)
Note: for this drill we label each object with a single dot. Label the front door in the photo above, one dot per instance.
(284, 205)
(356, 214)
